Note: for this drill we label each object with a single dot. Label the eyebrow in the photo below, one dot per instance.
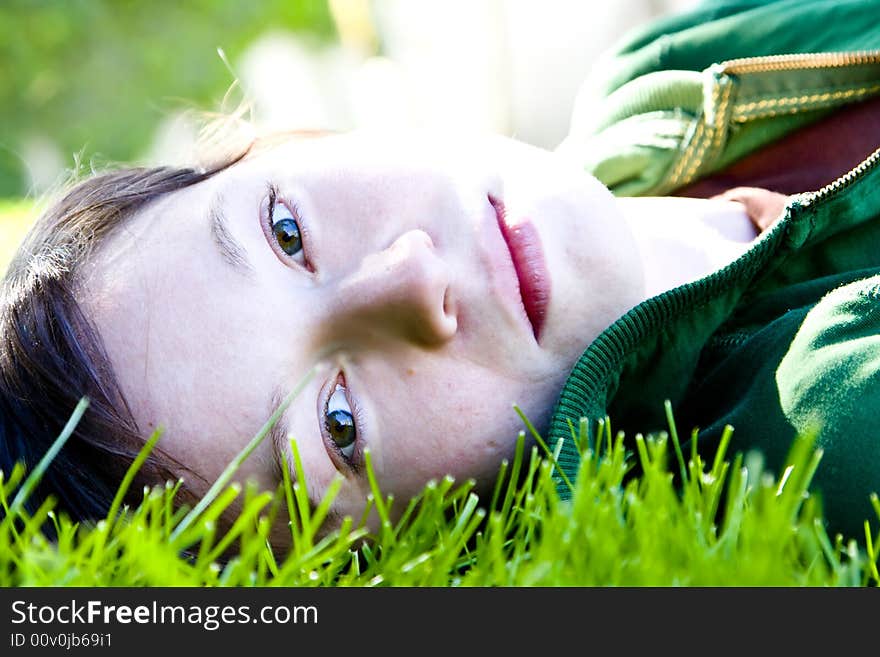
(278, 436)
(230, 249)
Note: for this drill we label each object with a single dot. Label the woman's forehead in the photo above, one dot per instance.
(400, 149)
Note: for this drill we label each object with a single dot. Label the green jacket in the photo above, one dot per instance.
(786, 339)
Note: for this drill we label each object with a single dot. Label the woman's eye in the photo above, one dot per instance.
(339, 420)
(285, 228)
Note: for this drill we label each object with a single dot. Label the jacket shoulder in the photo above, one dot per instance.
(829, 379)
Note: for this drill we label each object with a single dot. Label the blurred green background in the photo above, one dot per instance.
(94, 77)
(90, 80)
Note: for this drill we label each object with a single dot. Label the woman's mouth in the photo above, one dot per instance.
(525, 249)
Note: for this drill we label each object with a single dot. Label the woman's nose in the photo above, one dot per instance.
(402, 291)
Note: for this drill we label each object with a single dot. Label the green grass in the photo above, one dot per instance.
(724, 523)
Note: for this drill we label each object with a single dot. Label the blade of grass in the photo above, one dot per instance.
(302, 504)
(130, 475)
(547, 450)
(872, 557)
(676, 443)
(34, 477)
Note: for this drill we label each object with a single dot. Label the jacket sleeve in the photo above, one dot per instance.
(689, 94)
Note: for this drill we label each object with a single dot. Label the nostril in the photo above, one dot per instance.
(448, 303)
(448, 322)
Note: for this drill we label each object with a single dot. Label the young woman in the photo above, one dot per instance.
(430, 283)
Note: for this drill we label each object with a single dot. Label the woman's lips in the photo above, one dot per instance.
(525, 249)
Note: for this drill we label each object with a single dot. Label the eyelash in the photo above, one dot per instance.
(354, 463)
(268, 220)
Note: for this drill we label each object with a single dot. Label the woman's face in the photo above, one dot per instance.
(435, 284)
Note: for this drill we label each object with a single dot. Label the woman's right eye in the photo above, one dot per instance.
(285, 229)
(339, 420)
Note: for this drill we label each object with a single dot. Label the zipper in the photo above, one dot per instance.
(788, 62)
(843, 181)
(711, 131)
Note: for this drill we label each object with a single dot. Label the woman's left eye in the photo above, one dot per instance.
(285, 228)
(340, 422)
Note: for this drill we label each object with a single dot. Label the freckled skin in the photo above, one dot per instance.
(398, 301)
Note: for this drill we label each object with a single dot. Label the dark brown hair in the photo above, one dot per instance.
(51, 355)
